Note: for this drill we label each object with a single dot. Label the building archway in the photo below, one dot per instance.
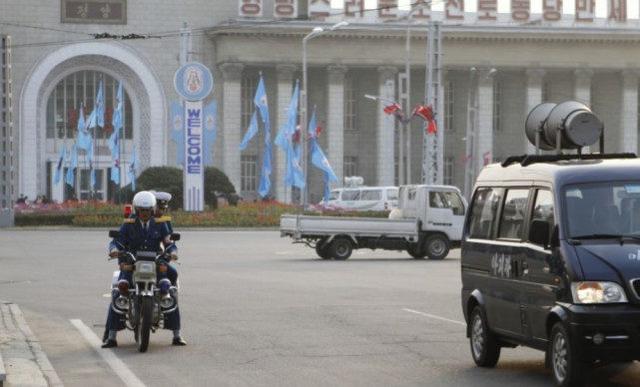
(117, 60)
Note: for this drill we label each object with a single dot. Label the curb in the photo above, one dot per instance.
(21, 346)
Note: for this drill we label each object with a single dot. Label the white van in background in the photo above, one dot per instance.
(364, 198)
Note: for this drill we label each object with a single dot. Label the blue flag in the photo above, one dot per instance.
(84, 140)
(73, 164)
(58, 174)
(96, 118)
(289, 127)
(313, 125)
(133, 166)
(251, 131)
(177, 131)
(114, 138)
(210, 131)
(260, 100)
(294, 175)
(116, 120)
(99, 108)
(320, 161)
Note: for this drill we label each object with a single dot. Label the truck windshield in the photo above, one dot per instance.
(603, 209)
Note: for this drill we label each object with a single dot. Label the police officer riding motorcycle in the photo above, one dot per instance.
(145, 297)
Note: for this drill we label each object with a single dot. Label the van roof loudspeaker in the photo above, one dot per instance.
(568, 125)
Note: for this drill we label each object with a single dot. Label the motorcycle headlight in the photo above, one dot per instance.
(167, 302)
(122, 302)
(146, 267)
(595, 292)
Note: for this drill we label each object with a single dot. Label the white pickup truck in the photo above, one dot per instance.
(428, 222)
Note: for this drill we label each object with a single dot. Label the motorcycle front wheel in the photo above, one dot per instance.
(144, 326)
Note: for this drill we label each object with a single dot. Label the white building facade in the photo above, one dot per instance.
(509, 54)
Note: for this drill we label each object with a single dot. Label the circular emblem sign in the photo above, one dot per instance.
(193, 81)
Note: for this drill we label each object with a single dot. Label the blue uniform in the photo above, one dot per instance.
(134, 237)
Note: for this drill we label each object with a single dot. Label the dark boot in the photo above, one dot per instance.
(178, 341)
(110, 344)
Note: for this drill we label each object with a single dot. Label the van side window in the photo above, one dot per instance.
(392, 194)
(353, 194)
(512, 219)
(543, 208)
(483, 213)
(371, 194)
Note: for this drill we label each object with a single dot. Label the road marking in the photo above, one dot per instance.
(435, 317)
(123, 372)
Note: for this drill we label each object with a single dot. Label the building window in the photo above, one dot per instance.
(248, 90)
(350, 166)
(249, 173)
(497, 106)
(63, 105)
(448, 170)
(448, 106)
(349, 104)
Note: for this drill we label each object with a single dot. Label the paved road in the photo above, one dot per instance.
(258, 310)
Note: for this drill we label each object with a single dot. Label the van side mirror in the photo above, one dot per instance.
(555, 237)
(114, 233)
(539, 233)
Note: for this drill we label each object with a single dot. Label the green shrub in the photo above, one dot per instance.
(216, 181)
(169, 179)
(50, 219)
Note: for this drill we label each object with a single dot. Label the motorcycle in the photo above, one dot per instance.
(144, 306)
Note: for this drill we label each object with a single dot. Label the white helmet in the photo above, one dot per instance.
(144, 199)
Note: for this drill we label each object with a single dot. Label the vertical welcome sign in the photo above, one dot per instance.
(193, 82)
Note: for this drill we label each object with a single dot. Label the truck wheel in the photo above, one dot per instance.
(484, 346)
(414, 250)
(341, 248)
(437, 246)
(322, 249)
(568, 370)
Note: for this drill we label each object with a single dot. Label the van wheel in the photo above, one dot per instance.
(484, 345)
(568, 370)
(322, 249)
(340, 248)
(414, 250)
(437, 246)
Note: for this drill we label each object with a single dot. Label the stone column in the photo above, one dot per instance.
(629, 135)
(535, 82)
(335, 120)
(582, 89)
(484, 142)
(231, 121)
(285, 88)
(386, 126)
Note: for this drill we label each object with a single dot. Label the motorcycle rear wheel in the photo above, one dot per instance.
(144, 327)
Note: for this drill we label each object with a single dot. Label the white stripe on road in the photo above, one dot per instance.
(123, 372)
(435, 317)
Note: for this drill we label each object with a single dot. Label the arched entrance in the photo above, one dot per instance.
(119, 62)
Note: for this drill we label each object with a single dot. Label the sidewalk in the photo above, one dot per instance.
(22, 361)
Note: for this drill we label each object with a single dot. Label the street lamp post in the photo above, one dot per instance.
(303, 106)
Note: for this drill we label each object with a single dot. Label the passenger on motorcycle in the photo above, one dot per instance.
(162, 206)
(141, 233)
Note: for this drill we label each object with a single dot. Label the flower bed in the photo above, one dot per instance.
(98, 214)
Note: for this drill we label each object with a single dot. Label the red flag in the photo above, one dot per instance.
(426, 113)
(296, 136)
(392, 109)
(318, 131)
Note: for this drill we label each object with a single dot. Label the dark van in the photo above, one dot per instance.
(551, 260)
